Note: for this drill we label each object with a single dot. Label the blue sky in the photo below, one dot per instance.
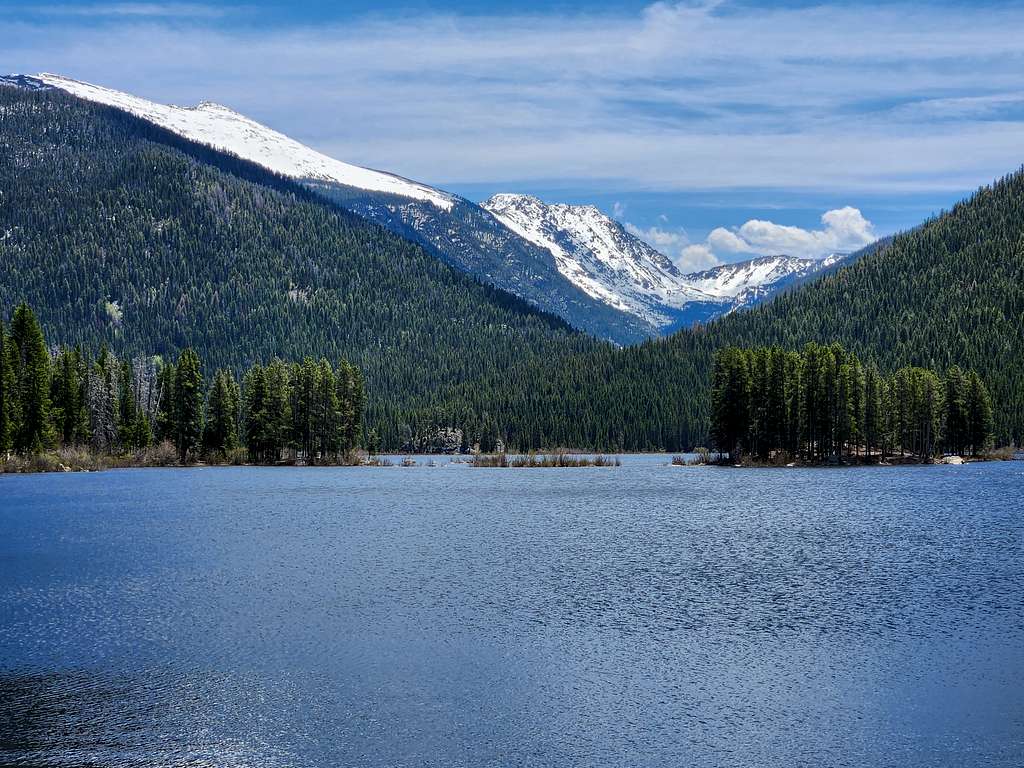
(716, 130)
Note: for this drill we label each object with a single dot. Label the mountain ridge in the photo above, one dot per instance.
(585, 267)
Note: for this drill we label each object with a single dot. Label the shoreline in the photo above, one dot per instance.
(83, 462)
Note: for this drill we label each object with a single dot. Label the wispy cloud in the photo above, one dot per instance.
(122, 10)
(679, 96)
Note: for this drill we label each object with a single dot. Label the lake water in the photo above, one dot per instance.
(644, 615)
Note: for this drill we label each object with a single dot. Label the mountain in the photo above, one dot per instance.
(118, 231)
(454, 229)
(746, 283)
(572, 261)
(949, 292)
(606, 261)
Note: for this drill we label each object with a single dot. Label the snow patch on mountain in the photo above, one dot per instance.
(609, 263)
(597, 254)
(224, 129)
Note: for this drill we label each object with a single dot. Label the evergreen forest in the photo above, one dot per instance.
(309, 411)
(822, 404)
(120, 234)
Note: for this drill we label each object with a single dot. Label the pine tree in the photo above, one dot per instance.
(68, 395)
(731, 402)
(7, 392)
(278, 407)
(256, 419)
(957, 426)
(979, 414)
(220, 435)
(165, 402)
(188, 403)
(101, 398)
(874, 414)
(128, 410)
(32, 375)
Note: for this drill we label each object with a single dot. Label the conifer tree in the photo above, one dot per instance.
(164, 426)
(188, 403)
(326, 412)
(979, 414)
(128, 410)
(7, 391)
(101, 395)
(278, 407)
(255, 417)
(68, 395)
(34, 429)
(220, 435)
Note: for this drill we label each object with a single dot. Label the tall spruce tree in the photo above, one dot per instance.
(34, 430)
(220, 434)
(68, 395)
(188, 403)
(7, 391)
(256, 418)
(956, 427)
(979, 414)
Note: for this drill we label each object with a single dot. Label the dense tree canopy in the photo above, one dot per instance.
(119, 232)
(948, 293)
(116, 231)
(821, 404)
(309, 411)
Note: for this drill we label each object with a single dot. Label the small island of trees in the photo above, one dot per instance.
(109, 412)
(822, 405)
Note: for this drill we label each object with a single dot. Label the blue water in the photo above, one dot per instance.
(644, 615)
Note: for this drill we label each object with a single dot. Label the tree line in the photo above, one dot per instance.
(822, 404)
(308, 410)
(114, 230)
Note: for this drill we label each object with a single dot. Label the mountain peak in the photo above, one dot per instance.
(224, 129)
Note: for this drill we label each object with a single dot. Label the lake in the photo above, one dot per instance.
(642, 615)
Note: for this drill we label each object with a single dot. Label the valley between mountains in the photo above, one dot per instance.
(151, 228)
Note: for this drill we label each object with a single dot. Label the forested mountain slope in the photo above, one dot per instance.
(116, 230)
(452, 228)
(948, 292)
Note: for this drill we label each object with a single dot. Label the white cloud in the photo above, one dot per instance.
(677, 246)
(695, 258)
(618, 210)
(843, 229)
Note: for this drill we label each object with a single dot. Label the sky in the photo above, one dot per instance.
(715, 130)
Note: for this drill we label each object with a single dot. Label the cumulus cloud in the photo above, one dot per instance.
(676, 245)
(843, 229)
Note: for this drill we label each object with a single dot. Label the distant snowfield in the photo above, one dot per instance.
(224, 129)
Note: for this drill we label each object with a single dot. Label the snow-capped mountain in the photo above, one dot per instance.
(597, 254)
(222, 128)
(456, 230)
(572, 261)
(747, 282)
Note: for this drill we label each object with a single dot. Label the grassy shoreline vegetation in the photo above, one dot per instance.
(62, 410)
(543, 460)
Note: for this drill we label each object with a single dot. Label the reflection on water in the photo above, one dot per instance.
(642, 615)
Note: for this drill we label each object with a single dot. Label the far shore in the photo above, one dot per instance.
(77, 460)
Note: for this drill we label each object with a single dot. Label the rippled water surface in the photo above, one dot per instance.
(644, 615)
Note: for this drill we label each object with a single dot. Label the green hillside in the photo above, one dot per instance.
(948, 292)
(117, 231)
